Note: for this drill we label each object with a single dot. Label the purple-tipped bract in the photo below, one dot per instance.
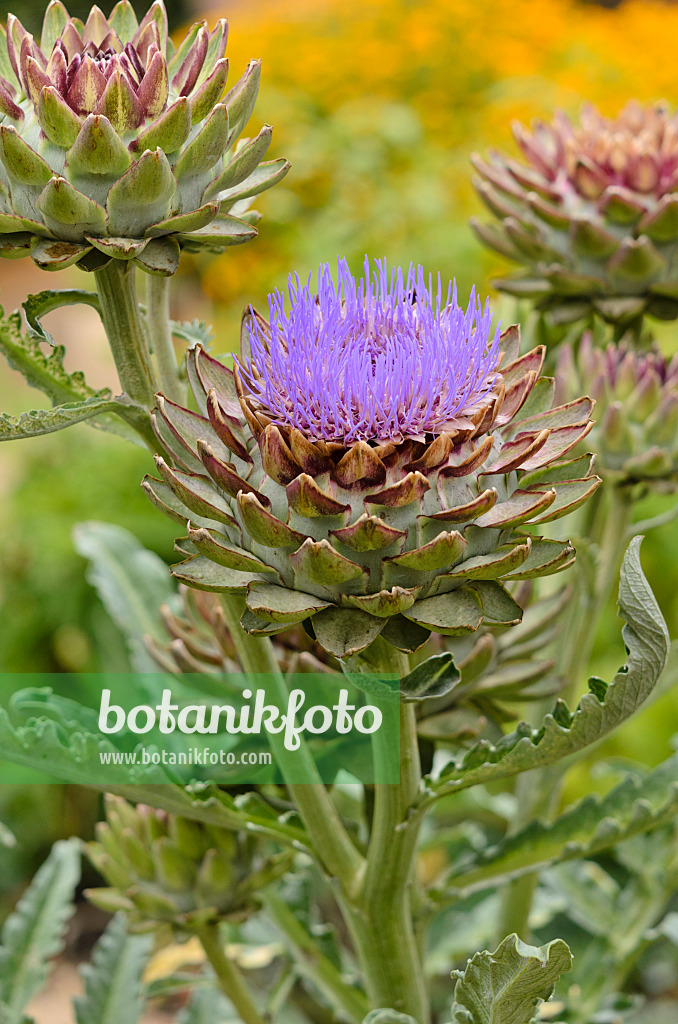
(382, 358)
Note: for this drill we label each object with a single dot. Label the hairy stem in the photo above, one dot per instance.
(125, 331)
(159, 328)
(229, 976)
(332, 843)
(380, 917)
(344, 997)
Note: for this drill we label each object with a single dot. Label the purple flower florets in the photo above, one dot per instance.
(381, 359)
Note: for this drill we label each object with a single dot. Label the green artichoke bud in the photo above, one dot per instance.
(116, 145)
(200, 641)
(592, 216)
(163, 869)
(369, 466)
(635, 436)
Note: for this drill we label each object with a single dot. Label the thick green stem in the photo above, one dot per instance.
(344, 997)
(159, 328)
(331, 842)
(381, 916)
(229, 976)
(125, 330)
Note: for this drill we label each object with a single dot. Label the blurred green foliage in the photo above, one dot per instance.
(31, 11)
(50, 621)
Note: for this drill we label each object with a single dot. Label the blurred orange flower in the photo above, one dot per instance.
(378, 103)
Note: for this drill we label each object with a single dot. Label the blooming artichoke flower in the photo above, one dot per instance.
(164, 868)
(368, 464)
(635, 437)
(116, 145)
(592, 216)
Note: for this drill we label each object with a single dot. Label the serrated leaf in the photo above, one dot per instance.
(34, 932)
(507, 986)
(385, 1015)
(207, 1006)
(132, 583)
(41, 303)
(64, 750)
(636, 805)
(197, 332)
(35, 422)
(113, 978)
(563, 733)
(46, 373)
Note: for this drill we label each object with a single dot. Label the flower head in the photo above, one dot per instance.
(592, 216)
(114, 144)
(379, 359)
(636, 150)
(388, 504)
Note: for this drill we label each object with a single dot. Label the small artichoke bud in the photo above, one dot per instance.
(369, 465)
(161, 869)
(635, 436)
(591, 215)
(117, 145)
(199, 641)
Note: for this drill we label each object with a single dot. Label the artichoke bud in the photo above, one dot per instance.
(164, 869)
(615, 430)
(635, 436)
(369, 464)
(590, 215)
(199, 641)
(114, 144)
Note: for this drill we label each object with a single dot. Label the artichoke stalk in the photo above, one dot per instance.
(591, 216)
(371, 465)
(115, 145)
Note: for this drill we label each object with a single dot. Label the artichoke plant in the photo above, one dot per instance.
(592, 217)
(635, 437)
(115, 145)
(161, 868)
(371, 465)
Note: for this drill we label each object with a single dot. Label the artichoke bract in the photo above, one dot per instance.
(369, 464)
(592, 216)
(635, 437)
(116, 145)
(161, 868)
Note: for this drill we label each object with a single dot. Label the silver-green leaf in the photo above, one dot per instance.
(507, 986)
(599, 712)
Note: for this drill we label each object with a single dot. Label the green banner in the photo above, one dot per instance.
(155, 728)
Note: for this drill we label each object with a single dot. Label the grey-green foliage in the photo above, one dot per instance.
(132, 583)
(207, 1006)
(507, 986)
(563, 732)
(639, 803)
(73, 400)
(34, 932)
(113, 979)
(387, 1016)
